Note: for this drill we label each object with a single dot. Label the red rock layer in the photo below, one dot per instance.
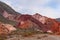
(52, 24)
(24, 18)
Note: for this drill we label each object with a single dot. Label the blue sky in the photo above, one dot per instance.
(49, 8)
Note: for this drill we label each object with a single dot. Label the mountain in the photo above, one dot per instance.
(51, 24)
(58, 19)
(7, 8)
(23, 23)
(8, 12)
(10, 16)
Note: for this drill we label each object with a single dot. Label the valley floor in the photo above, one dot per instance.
(35, 37)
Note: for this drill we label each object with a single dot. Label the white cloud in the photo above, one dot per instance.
(45, 11)
(8, 2)
(33, 6)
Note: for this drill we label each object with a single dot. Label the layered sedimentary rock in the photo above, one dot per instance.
(52, 24)
(23, 20)
(26, 21)
(40, 18)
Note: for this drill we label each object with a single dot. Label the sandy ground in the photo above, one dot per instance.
(35, 37)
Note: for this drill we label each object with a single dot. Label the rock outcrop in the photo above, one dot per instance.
(6, 28)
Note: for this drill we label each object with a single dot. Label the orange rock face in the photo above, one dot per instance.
(6, 28)
(24, 25)
(53, 25)
(3, 30)
(9, 27)
(27, 24)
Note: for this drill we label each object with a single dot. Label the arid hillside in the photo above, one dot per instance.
(18, 26)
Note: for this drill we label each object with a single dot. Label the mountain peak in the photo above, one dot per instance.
(7, 8)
